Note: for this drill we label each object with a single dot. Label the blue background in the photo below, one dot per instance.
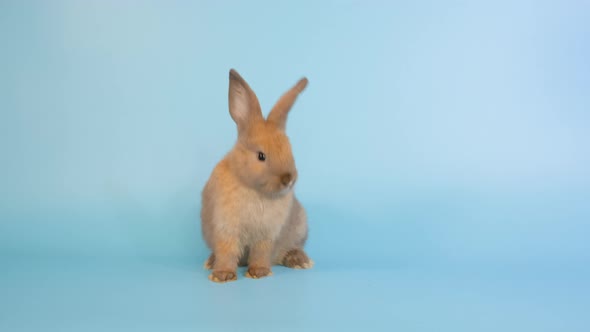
(443, 151)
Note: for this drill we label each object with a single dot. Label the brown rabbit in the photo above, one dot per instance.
(249, 214)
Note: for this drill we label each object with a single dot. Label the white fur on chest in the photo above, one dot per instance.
(256, 217)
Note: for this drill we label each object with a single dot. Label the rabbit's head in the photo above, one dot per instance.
(262, 157)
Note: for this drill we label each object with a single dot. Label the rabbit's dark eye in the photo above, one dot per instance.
(261, 156)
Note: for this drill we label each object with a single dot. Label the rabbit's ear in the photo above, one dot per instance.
(243, 104)
(278, 114)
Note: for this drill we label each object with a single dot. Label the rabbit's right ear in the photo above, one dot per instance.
(243, 104)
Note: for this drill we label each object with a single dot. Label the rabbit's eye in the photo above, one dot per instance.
(261, 156)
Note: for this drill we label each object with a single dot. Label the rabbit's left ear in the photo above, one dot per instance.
(278, 114)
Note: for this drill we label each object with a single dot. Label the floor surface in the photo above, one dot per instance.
(171, 295)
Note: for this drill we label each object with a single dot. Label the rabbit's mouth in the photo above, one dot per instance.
(286, 188)
(278, 189)
(282, 192)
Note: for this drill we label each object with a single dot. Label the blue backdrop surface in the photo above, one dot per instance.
(443, 149)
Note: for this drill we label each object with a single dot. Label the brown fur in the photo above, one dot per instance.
(297, 259)
(249, 212)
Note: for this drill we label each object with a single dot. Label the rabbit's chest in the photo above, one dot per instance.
(264, 218)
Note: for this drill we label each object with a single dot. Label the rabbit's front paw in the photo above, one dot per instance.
(258, 272)
(223, 276)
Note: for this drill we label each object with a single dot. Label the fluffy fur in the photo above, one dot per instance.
(250, 215)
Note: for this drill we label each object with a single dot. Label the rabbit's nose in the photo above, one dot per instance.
(286, 178)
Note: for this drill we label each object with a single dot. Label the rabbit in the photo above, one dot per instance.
(249, 214)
